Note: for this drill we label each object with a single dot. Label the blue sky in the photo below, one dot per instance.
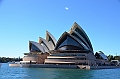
(24, 20)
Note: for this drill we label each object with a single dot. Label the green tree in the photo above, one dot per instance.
(5, 60)
(110, 57)
(117, 58)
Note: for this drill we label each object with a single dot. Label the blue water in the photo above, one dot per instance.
(7, 72)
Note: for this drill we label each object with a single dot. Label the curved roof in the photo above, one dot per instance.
(45, 48)
(101, 55)
(42, 40)
(79, 37)
(80, 42)
(50, 37)
(78, 29)
(75, 39)
(37, 45)
(62, 39)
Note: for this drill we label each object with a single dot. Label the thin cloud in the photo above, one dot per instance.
(66, 8)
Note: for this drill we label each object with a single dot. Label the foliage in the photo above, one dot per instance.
(111, 57)
(117, 58)
(7, 59)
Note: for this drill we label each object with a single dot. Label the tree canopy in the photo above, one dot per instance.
(111, 57)
(7, 59)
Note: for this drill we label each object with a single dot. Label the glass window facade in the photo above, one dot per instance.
(34, 48)
(75, 35)
(83, 35)
(69, 43)
(68, 47)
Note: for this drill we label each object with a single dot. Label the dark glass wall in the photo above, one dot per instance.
(34, 48)
(69, 43)
(83, 35)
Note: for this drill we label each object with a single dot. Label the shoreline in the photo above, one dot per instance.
(62, 66)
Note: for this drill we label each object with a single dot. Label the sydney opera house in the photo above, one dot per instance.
(72, 48)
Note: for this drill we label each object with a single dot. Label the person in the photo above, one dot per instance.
(30, 61)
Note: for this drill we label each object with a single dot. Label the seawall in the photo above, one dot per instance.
(62, 66)
(49, 66)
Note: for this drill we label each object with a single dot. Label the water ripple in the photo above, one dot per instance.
(7, 72)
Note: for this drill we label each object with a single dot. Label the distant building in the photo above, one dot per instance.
(72, 48)
(101, 58)
(100, 55)
(115, 62)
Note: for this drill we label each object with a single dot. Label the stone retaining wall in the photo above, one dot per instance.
(49, 66)
(63, 66)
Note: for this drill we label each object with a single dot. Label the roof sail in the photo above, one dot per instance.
(82, 33)
(34, 46)
(47, 44)
(50, 37)
(68, 42)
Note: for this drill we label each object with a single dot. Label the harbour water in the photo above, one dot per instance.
(7, 72)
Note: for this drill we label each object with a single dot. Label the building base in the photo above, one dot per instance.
(62, 66)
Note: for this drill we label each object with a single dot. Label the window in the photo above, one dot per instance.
(83, 35)
(69, 43)
(34, 48)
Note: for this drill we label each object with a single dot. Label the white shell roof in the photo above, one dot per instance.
(53, 38)
(103, 55)
(46, 43)
(40, 47)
